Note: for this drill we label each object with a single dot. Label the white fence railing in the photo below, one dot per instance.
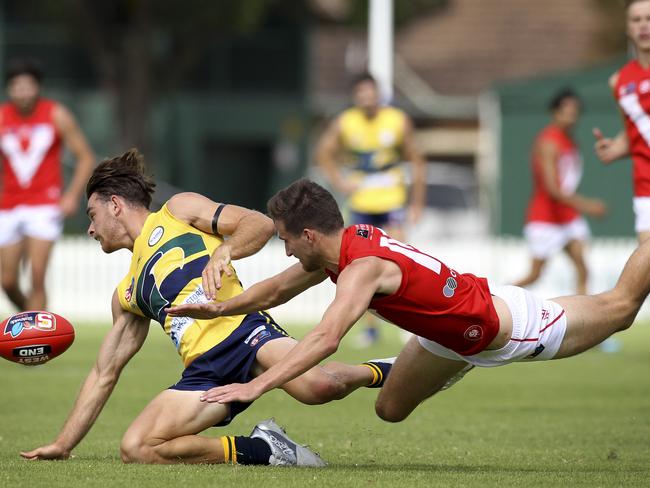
(81, 278)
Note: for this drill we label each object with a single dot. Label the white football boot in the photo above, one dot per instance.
(284, 451)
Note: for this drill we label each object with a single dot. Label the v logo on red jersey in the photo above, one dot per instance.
(25, 161)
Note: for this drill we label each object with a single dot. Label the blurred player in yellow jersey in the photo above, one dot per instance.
(180, 256)
(362, 155)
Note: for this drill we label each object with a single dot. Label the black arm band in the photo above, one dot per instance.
(215, 218)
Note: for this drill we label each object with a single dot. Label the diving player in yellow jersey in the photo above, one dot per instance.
(362, 154)
(180, 257)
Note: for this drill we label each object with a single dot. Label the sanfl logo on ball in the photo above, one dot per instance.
(16, 324)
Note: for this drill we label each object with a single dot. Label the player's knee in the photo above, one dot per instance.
(134, 450)
(325, 389)
(390, 411)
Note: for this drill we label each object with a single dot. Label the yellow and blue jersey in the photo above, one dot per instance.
(168, 259)
(373, 147)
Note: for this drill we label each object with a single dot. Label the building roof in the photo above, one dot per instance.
(472, 44)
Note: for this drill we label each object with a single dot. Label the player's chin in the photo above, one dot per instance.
(106, 247)
(309, 267)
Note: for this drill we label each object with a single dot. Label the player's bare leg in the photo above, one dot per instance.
(575, 249)
(10, 259)
(166, 431)
(536, 266)
(416, 375)
(593, 318)
(38, 252)
(321, 384)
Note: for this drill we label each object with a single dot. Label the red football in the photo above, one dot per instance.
(34, 337)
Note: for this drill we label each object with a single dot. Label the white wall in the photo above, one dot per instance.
(81, 278)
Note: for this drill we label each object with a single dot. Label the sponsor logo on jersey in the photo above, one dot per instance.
(644, 86)
(473, 333)
(364, 230)
(156, 235)
(450, 287)
(128, 293)
(29, 320)
(627, 89)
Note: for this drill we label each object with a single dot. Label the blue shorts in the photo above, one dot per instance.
(231, 361)
(394, 218)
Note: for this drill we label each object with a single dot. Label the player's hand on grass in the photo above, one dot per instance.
(219, 263)
(51, 451)
(196, 310)
(235, 392)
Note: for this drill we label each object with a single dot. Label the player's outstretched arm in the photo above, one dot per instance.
(247, 231)
(75, 141)
(268, 293)
(355, 287)
(124, 339)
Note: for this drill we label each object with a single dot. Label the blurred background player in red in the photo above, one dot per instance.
(554, 220)
(372, 141)
(33, 131)
(631, 89)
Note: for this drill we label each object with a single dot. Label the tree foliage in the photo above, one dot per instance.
(144, 49)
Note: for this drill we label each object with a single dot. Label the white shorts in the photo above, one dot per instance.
(545, 239)
(38, 221)
(538, 327)
(641, 207)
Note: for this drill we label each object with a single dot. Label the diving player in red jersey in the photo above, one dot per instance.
(631, 89)
(459, 320)
(553, 220)
(33, 131)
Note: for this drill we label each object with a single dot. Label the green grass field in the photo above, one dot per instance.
(583, 421)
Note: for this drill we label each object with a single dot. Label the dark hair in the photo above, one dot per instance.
(123, 176)
(363, 77)
(17, 67)
(560, 96)
(305, 205)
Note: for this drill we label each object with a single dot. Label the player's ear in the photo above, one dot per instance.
(116, 204)
(309, 234)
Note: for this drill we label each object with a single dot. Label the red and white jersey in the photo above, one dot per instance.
(433, 301)
(31, 156)
(632, 92)
(543, 207)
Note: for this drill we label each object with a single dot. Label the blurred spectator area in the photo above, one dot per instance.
(237, 119)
